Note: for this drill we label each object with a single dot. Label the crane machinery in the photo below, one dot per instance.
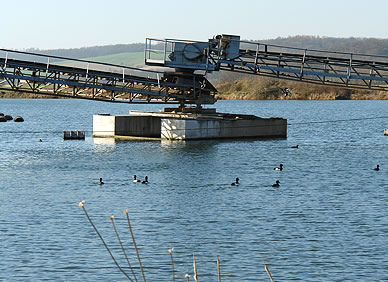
(229, 53)
(188, 62)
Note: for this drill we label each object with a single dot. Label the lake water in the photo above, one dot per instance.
(326, 222)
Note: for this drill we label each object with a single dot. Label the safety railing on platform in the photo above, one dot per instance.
(50, 61)
(53, 75)
(227, 52)
(345, 69)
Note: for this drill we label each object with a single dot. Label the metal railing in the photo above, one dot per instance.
(344, 69)
(60, 76)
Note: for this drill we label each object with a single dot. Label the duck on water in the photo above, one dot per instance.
(236, 183)
(135, 180)
(145, 181)
(279, 168)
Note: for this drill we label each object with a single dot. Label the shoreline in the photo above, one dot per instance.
(237, 95)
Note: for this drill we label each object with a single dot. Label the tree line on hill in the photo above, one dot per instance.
(371, 46)
(89, 52)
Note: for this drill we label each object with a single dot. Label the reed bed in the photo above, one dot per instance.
(132, 276)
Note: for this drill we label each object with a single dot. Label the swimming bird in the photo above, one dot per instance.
(100, 181)
(40, 140)
(236, 183)
(277, 184)
(135, 180)
(145, 181)
(279, 168)
(377, 167)
(295, 147)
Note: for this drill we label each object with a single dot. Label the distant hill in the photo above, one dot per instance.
(123, 59)
(127, 58)
(370, 46)
(89, 52)
(133, 54)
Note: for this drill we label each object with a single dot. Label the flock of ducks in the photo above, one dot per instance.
(135, 180)
(277, 184)
(235, 183)
(280, 168)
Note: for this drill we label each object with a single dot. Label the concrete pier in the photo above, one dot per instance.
(172, 125)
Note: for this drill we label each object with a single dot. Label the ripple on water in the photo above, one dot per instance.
(327, 220)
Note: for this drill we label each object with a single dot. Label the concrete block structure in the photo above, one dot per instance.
(187, 126)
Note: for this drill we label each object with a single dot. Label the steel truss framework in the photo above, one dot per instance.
(33, 73)
(117, 85)
(312, 66)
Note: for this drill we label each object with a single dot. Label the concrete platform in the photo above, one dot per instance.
(172, 125)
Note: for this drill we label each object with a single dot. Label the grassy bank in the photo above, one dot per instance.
(123, 59)
(22, 95)
(258, 88)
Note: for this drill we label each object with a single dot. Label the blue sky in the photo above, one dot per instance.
(50, 24)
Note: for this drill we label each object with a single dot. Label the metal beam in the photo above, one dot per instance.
(97, 81)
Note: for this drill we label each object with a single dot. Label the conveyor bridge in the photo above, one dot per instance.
(187, 64)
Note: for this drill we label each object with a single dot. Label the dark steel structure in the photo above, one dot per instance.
(58, 76)
(227, 52)
(189, 63)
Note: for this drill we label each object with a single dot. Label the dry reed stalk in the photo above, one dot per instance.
(172, 264)
(269, 273)
(81, 204)
(134, 244)
(122, 247)
(195, 269)
(218, 269)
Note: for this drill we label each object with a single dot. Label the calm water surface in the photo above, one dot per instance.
(327, 221)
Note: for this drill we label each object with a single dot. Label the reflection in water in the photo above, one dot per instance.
(104, 140)
(170, 144)
(104, 144)
(191, 147)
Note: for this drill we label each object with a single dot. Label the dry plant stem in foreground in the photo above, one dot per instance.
(122, 248)
(195, 270)
(99, 235)
(172, 264)
(134, 244)
(269, 273)
(218, 269)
